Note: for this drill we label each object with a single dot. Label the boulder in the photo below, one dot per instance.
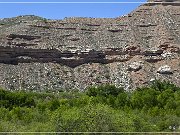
(135, 66)
(167, 55)
(152, 79)
(165, 70)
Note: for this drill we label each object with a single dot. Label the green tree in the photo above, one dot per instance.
(164, 97)
(122, 100)
(104, 90)
(90, 118)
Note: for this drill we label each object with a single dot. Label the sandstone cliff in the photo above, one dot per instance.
(73, 53)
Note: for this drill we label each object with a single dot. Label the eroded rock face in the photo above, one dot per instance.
(74, 53)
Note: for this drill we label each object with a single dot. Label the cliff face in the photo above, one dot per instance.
(128, 51)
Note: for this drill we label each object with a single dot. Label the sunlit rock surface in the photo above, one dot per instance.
(74, 53)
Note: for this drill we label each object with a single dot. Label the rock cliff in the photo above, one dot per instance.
(74, 53)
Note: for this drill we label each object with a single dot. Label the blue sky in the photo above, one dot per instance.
(59, 11)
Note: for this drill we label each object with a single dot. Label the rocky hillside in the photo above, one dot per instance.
(73, 53)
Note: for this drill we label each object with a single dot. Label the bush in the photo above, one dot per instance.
(122, 100)
(164, 85)
(102, 109)
(98, 118)
(144, 97)
(104, 90)
(14, 99)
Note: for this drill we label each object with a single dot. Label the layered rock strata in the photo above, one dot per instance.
(74, 53)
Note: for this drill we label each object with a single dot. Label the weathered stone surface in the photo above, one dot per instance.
(135, 66)
(74, 53)
(153, 52)
(165, 70)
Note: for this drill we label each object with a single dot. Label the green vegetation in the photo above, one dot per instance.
(155, 108)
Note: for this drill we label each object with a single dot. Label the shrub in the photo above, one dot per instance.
(13, 99)
(164, 85)
(104, 90)
(53, 104)
(98, 118)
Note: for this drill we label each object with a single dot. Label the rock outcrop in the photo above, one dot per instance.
(74, 53)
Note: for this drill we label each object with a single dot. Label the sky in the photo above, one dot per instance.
(59, 10)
